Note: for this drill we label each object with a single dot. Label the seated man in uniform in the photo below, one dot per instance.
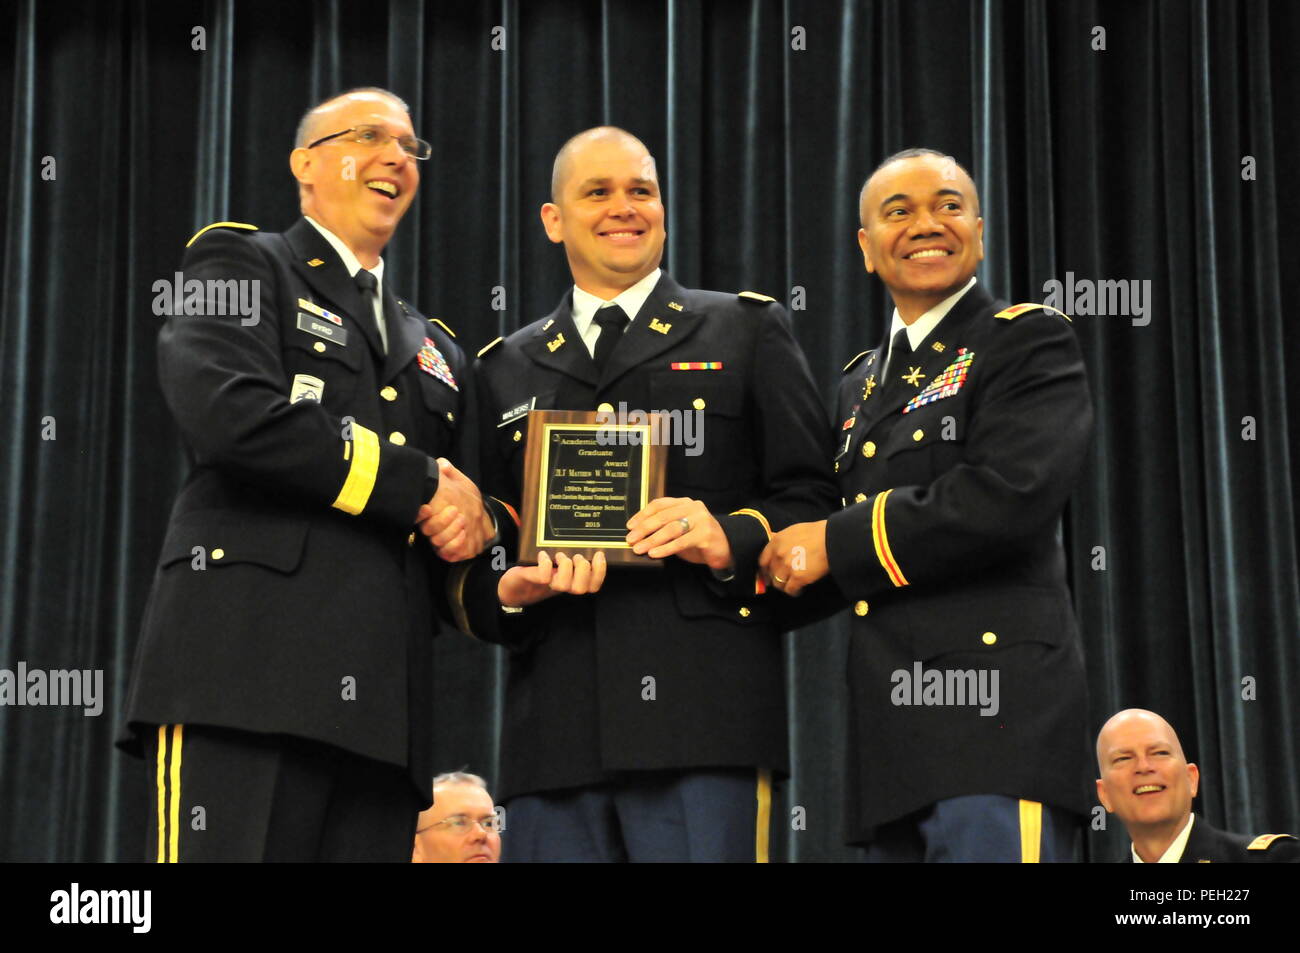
(1148, 783)
(462, 825)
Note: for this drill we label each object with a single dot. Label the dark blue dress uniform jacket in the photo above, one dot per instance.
(948, 548)
(1209, 845)
(308, 574)
(575, 711)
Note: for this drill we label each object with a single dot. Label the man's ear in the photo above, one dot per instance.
(979, 237)
(551, 221)
(1101, 796)
(1194, 776)
(300, 165)
(866, 250)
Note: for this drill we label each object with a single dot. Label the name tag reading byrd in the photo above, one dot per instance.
(322, 328)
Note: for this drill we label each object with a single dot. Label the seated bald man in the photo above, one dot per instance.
(1147, 782)
(461, 827)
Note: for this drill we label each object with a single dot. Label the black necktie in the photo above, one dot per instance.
(368, 284)
(612, 321)
(900, 349)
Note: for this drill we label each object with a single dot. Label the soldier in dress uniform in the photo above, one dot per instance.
(1147, 782)
(959, 439)
(644, 718)
(281, 689)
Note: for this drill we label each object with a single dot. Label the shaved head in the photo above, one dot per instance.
(564, 158)
(1134, 717)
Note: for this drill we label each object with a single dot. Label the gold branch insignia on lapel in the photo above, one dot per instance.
(914, 378)
(657, 325)
(555, 345)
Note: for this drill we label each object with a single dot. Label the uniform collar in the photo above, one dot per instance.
(1174, 852)
(920, 329)
(349, 260)
(631, 300)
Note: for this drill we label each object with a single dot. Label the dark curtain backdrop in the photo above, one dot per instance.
(1122, 163)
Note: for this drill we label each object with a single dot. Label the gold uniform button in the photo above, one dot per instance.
(319, 347)
(389, 393)
(860, 607)
(397, 437)
(218, 553)
(698, 403)
(869, 448)
(744, 612)
(837, 466)
(410, 540)
(918, 434)
(517, 437)
(860, 498)
(990, 638)
(451, 418)
(605, 408)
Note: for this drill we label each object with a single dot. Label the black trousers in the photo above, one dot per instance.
(223, 795)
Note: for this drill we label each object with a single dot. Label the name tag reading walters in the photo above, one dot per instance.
(583, 480)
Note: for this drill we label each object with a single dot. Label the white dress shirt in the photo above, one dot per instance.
(1174, 852)
(585, 306)
(353, 266)
(920, 329)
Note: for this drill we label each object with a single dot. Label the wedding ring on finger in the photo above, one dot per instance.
(686, 526)
(779, 581)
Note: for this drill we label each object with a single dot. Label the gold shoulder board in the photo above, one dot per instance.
(1016, 310)
(1264, 841)
(754, 296)
(251, 228)
(857, 357)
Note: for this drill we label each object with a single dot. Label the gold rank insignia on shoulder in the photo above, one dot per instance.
(674, 305)
(556, 344)
(657, 325)
(1016, 310)
(489, 346)
(243, 225)
(440, 324)
(754, 296)
(1264, 841)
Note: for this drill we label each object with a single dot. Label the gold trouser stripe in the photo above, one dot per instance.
(160, 781)
(767, 527)
(763, 821)
(881, 539)
(1031, 830)
(174, 841)
(456, 595)
(361, 474)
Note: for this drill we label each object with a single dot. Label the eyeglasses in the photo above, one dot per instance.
(463, 823)
(377, 137)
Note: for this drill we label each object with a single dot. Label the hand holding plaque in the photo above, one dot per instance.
(585, 476)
